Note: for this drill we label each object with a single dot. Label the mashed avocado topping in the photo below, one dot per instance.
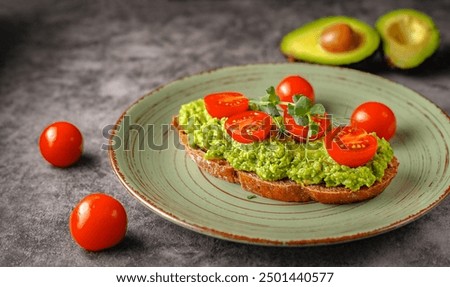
(275, 159)
(204, 131)
(315, 166)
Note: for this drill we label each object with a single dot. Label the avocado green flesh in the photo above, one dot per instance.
(275, 159)
(409, 37)
(304, 43)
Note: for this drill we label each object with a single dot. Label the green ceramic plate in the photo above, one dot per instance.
(153, 167)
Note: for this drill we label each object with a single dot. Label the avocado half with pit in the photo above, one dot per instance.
(409, 37)
(334, 40)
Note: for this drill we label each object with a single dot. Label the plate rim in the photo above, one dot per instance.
(254, 240)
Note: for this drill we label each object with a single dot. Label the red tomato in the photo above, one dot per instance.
(98, 222)
(249, 126)
(375, 117)
(225, 104)
(351, 146)
(294, 85)
(300, 133)
(61, 144)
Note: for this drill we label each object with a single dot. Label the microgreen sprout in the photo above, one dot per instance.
(301, 109)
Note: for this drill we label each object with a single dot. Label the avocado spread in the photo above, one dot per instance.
(275, 159)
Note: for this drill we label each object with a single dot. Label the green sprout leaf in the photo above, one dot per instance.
(270, 109)
(301, 120)
(253, 105)
(291, 109)
(317, 109)
(302, 106)
(267, 104)
(302, 109)
(295, 98)
(313, 129)
(270, 97)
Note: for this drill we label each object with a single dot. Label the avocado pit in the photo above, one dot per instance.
(339, 38)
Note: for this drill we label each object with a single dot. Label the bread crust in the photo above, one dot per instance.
(284, 190)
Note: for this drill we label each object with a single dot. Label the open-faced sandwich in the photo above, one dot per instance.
(286, 147)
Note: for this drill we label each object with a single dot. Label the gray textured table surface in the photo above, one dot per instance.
(86, 61)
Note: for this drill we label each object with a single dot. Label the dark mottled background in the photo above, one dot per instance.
(86, 61)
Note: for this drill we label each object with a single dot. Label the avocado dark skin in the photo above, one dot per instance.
(372, 64)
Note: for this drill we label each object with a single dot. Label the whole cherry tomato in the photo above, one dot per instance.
(351, 146)
(375, 117)
(225, 104)
(249, 126)
(294, 85)
(61, 144)
(98, 221)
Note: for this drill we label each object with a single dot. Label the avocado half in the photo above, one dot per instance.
(304, 43)
(409, 37)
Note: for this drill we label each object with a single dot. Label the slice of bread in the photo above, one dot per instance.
(341, 195)
(218, 168)
(284, 190)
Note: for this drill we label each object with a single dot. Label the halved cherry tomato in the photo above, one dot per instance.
(300, 133)
(294, 85)
(61, 144)
(99, 221)
(351, 146)
(225, 104)
(249, 126)
(375, 117)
